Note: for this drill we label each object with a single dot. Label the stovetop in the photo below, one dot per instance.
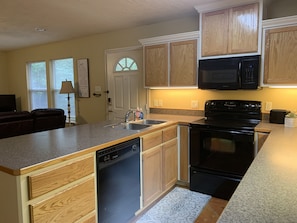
(240, 114)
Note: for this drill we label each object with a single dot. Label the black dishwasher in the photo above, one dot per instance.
(118, 182)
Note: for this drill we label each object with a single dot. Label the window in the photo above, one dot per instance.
(126, 64)
(45, 95)
(37, 85)
(63, 70)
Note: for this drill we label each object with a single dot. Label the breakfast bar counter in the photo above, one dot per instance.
(22, 154)
(268, 191)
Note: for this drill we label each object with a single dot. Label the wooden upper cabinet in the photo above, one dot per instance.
(243, 29)
(214, 34)
(183, 63)
(156, 65)
(280, 56)
(230, 31)
(171, 61)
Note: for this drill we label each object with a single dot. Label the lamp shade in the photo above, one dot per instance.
(66, 87)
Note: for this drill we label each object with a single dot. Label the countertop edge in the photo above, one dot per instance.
(171, 120)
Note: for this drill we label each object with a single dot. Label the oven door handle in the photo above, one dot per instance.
(231, 131)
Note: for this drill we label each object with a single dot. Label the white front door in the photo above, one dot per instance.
(125, 82)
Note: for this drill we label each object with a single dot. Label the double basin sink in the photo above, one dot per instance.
(137, 125)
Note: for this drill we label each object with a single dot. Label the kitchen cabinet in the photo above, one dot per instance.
(172, 61)
(159, 163)
(230, 31)
(280, 56)
(183, 63)
(63, 192)
(184, 153)
(156, 65)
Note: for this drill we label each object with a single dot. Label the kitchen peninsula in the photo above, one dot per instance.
(41, 171)
(267, 192)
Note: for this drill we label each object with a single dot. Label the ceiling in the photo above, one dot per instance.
(67, 19)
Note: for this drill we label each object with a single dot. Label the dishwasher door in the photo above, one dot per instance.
(118, 182)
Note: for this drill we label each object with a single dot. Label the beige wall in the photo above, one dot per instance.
(4, 85)
(92, 47)
(280, 8)
(176, 99)
(13, 67)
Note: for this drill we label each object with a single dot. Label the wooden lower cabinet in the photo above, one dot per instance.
(152, 174)
(67, 206)
(64, 192)
(169, 168)
(159, 164)
(184, 153)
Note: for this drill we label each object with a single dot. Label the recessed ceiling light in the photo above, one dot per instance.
(40, 29)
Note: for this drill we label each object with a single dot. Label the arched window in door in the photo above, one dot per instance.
(126, 64)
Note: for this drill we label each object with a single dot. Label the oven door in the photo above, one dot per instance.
(225, 151)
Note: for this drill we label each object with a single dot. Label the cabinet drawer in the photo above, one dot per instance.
(67, 206)
(151, 140)
(169, 133)
(45, 182)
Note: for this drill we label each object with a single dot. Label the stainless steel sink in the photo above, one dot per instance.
(135, 126)
(129, 125)
(151, 122)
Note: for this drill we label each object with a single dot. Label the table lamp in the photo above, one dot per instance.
(67, 88)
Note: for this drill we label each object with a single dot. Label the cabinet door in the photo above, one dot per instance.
(183, 63)
(214, 33)
(68, 206)
(243, 29)
(156, 65)
(152, 174)
(169, 164)
(184, 153)
(280, 56)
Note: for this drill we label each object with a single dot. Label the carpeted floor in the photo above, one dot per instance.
(179, 206)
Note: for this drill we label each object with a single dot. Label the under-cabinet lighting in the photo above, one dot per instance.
(173, 88)
(289, 86)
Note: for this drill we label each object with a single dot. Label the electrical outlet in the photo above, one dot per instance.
(160, 102)
(268, 106)
(194, 104)
(156, 102)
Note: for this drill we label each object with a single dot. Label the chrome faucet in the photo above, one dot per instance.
(128, 114)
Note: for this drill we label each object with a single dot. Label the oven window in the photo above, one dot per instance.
(219, 145)
(225, 152)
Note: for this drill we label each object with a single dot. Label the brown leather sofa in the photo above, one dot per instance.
(24, 122)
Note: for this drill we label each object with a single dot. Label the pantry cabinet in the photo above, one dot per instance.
(280, 56)
(171, 61)
(230, 31)
(159, 163)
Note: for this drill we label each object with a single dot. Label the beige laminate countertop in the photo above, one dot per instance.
(23, 154)
(268, 191)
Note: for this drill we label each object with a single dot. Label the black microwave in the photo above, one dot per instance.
(229, 73)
